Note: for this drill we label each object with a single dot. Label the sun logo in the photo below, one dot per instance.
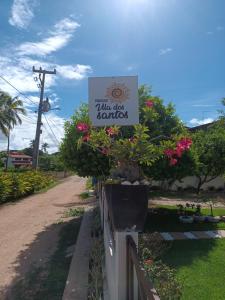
(117, 92)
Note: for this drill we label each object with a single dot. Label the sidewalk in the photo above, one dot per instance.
(192, 235)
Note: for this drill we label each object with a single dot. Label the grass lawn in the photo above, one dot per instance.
(200, 265)
(165, 218)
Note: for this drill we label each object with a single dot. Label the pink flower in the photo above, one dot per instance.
(82, 127)
(169, 152)
(111, 131)
(86, 138)
(184, 143)
(173, 161)
(149, 103)
(105, 151)
(179, 151)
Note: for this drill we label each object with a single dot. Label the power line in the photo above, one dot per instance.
(51, 129)
(17, 89)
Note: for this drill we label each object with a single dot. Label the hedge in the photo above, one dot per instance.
(14, 185)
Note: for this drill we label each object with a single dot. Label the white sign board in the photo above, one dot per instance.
(113, 100)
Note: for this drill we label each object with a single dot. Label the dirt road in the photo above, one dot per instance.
(28, 234)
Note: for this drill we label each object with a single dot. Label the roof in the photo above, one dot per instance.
(19, 155)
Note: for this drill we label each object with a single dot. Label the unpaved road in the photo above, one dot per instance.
(28, 234)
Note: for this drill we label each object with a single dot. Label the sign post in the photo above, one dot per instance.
(113, 100)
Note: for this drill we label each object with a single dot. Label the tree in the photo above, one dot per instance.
(84, 161)
(161, 170)
(89, 162)
(10, 110)
(44, 147)
(209, 153)
(162, 120)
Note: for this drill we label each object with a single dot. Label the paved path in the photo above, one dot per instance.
(192, 235)
(28, 234)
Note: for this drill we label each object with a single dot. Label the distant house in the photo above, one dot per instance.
(18, 160)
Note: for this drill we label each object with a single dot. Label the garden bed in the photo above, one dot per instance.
(165, 219)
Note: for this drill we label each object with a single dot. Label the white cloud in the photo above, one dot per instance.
(59, 37)
(203, 105)
(21, 135)
(22, 13)
(196, 122)
(209, 32)
(165, 51)
(16, 68)
(77, 72)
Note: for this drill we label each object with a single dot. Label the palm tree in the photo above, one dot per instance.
(10, 110)
(44, 147)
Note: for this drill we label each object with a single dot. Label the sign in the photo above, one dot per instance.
(113, 100)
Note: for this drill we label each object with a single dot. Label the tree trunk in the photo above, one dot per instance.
(199, 185)
(7, 158)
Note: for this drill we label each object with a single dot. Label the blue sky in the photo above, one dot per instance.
(175, 46)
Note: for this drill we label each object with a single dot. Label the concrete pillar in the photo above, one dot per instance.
(121, 265)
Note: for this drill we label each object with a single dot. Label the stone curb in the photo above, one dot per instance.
(77, 281)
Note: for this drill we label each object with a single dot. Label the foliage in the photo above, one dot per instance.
(84, 161)
(209, 154)
(73, 212)
(51, 162)
(95, 280)
(14, 185)
(10, 108)
(161, 275)
(162, 169)
(138, 145)
(128, 153)
(162, 120)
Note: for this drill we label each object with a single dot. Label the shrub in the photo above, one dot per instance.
(14, 185)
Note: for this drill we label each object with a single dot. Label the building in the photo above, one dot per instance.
(18, 160)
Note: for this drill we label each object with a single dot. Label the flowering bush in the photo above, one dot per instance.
(129, 153)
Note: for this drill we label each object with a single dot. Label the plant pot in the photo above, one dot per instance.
(128, 206)
(186, 219)
(212, 219)
(199, 218)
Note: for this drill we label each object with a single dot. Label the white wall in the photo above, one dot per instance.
(191, 181)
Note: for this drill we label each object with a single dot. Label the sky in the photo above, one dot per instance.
(176, 47)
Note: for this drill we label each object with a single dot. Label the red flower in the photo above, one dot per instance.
(82, 127)
(105, 151)
(169, 152)
(148, 262)
(149, 103)
(178, 151)
(173, 161)
(111, 131)
(184, 143)
(86, 138)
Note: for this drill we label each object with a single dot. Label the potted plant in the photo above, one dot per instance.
(198, 216)
(211, 218)
(126, 188)
(185, 218)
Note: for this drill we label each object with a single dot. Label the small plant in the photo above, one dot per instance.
(84, 195)
(198, 210)
(95, 282)
(162, 276)
(73, 212)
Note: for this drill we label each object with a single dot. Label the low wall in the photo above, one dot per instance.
(191, 182)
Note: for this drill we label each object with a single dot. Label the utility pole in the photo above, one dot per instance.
(42, 74)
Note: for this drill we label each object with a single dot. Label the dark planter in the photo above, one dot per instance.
(128, 206)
